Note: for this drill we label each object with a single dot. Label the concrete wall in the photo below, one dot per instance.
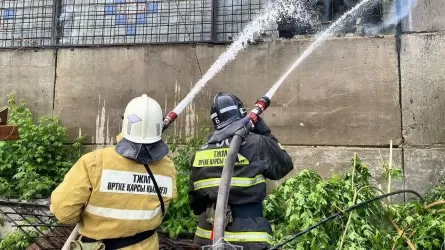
(310, 109)
(422, 68)
(30, 75)
(426, 16)
(351, 95)
(423, 88)
(327, 100)
(91, 95)
(337, 160)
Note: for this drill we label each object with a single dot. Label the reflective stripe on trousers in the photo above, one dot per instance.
(236, 182)
(237, 236)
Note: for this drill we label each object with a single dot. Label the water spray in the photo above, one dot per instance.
(269, 15)
(260, 106)
(321, 38)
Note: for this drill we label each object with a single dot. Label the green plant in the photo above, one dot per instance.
(437, 192)
(180, 218)
(304, 200)
(390, 172)
(32, 166)
(423, 222)
(18, 240)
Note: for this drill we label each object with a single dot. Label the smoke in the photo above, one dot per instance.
(321, 38)
(395, 15)
(405, 9)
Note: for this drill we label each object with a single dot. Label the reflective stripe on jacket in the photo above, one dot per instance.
(112, 196)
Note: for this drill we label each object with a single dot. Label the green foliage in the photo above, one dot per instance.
(437, 192)
(427, 226)
(306, 199)
(180, 218)
(395, 173)
(18, 240)
(32, 166)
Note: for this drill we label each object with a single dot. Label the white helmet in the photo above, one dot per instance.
(142, 120)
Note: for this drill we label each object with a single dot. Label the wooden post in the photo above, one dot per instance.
(3, 115)
(7, 132)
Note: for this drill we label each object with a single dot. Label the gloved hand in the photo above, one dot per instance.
(229, 131)
(261, 127)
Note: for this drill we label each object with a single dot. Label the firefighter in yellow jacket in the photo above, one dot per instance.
(119, 194)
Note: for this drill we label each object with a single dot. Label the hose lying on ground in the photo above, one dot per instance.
(338, 214)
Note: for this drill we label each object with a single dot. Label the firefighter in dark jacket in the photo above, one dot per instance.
(260, 156)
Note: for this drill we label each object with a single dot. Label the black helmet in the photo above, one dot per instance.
(226, 108)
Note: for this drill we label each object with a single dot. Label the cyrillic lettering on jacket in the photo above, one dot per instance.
(126, 182)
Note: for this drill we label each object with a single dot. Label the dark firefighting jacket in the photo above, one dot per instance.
(260, 157)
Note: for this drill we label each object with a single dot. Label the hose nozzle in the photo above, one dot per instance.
(171, 117)
(260, 105)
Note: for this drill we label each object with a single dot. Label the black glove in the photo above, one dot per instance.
(261, 127)
(229, 131)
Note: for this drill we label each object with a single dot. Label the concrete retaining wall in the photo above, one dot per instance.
(30, 75)
(423, 167)
(427, 16)
(346, 93)
(337, 160)
(94, 85)
(423, 88)
(332, 108)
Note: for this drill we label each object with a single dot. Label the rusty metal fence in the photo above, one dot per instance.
(49, 23)
(34, 223)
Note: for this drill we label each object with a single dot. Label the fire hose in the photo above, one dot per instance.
(223, 191)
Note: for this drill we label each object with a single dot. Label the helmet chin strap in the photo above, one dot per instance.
(243, 111)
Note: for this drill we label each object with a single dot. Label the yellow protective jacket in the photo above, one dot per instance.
(112, 196)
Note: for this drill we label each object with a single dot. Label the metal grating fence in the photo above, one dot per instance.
(26, 23)
(35, 224)
(42, 23)
(110, 22)
(233, 15)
